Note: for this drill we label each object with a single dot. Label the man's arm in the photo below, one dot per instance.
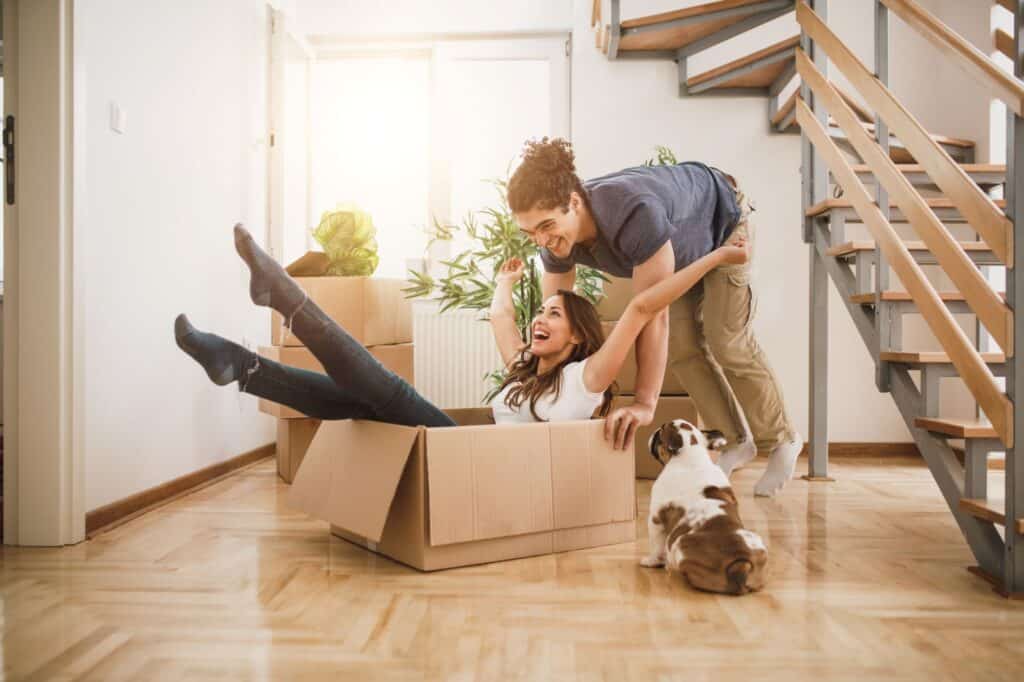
(551, 282)
(651, 355)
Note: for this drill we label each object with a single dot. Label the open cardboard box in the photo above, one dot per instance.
(436, 498)
(373, 310)
(398, 358)
(293, 439)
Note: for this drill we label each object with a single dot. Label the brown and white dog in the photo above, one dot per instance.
(695, 525)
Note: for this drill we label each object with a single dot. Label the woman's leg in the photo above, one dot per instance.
(345, 360)
(313, 394)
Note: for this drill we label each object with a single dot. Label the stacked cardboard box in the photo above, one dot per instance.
(674, 403)
(373, 311)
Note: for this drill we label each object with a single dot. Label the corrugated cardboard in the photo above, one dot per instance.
(293, 439)
(437, 498)
(398, 358)
(617, 294)
(626, 380)
(669, 408)
(373, 310)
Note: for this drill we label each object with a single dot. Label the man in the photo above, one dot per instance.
(646, 223)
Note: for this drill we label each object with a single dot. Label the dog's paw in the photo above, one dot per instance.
(652, 561)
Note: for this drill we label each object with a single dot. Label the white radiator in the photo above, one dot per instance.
(453, 352)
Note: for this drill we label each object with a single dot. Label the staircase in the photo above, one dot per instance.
(866, 161)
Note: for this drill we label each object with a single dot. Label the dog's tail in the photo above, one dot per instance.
(737, 573)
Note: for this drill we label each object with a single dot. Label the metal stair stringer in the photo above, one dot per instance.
(982, 536)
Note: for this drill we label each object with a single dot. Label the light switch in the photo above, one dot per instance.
(118, 118)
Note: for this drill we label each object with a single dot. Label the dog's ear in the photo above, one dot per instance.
(716, 439)
(654, 445)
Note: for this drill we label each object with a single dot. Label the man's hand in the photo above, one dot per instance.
(621, 424)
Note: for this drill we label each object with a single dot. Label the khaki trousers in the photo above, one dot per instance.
(714, 354)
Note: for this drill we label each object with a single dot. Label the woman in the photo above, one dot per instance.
(564, 373)
(646, 223)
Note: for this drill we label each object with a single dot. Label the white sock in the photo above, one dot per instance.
(736, 456)
(781, 464)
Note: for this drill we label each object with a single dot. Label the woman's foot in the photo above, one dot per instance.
(269, 284)
(781, 465)
(223, 360)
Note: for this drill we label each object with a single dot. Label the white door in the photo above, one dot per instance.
(290, 217)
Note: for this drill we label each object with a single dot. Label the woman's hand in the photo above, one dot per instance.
(734, 252)
(511, 271)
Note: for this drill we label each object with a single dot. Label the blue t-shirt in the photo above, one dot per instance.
(638, 209)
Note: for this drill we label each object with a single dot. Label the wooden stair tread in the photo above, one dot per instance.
(941, 139)
(898, 296)
(957, 428)
(996, 460)
(675, 37)
(857, 246)
(761, 77)
(843, 202)
(932, 357)
(990, 510)
(918, 168)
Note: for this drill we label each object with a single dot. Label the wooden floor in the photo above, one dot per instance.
(867, 582)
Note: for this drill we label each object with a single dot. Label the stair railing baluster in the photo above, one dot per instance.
(615, 28)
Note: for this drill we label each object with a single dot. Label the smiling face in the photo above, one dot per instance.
(553, 229)
(552, 330)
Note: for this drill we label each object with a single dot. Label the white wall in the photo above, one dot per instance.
(622, 109)
(361, 18)
(157, 207)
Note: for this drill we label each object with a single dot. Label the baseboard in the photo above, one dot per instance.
(855, 449)
(866, 449)
(110, 516)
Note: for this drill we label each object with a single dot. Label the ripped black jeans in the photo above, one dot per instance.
(356, 385)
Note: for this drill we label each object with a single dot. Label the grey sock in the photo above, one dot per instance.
(223, 360)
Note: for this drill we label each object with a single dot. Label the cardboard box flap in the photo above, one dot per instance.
(488, 482)
(311, 264)
(350, 474)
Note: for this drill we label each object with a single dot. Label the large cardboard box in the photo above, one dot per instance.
(398, 358)
(436, 498)
(626, 379)
(293, 439)
(669, 408)
(617, 294)
(373, 310)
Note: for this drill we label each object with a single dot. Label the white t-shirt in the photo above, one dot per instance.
(574, 401)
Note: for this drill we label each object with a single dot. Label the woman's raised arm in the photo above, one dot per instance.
(604, 365)
(503, 312)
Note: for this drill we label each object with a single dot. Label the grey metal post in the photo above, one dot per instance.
(615, 28)
(1013, 557)
(817, 465)
(814, 176)
(882, 326)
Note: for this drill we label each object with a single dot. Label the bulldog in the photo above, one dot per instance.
(694, 526)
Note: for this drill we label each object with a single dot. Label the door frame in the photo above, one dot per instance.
(44, 475)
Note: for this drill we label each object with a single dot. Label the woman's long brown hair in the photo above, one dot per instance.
(528, 385)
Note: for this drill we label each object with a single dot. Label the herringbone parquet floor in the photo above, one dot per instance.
(867, 582)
